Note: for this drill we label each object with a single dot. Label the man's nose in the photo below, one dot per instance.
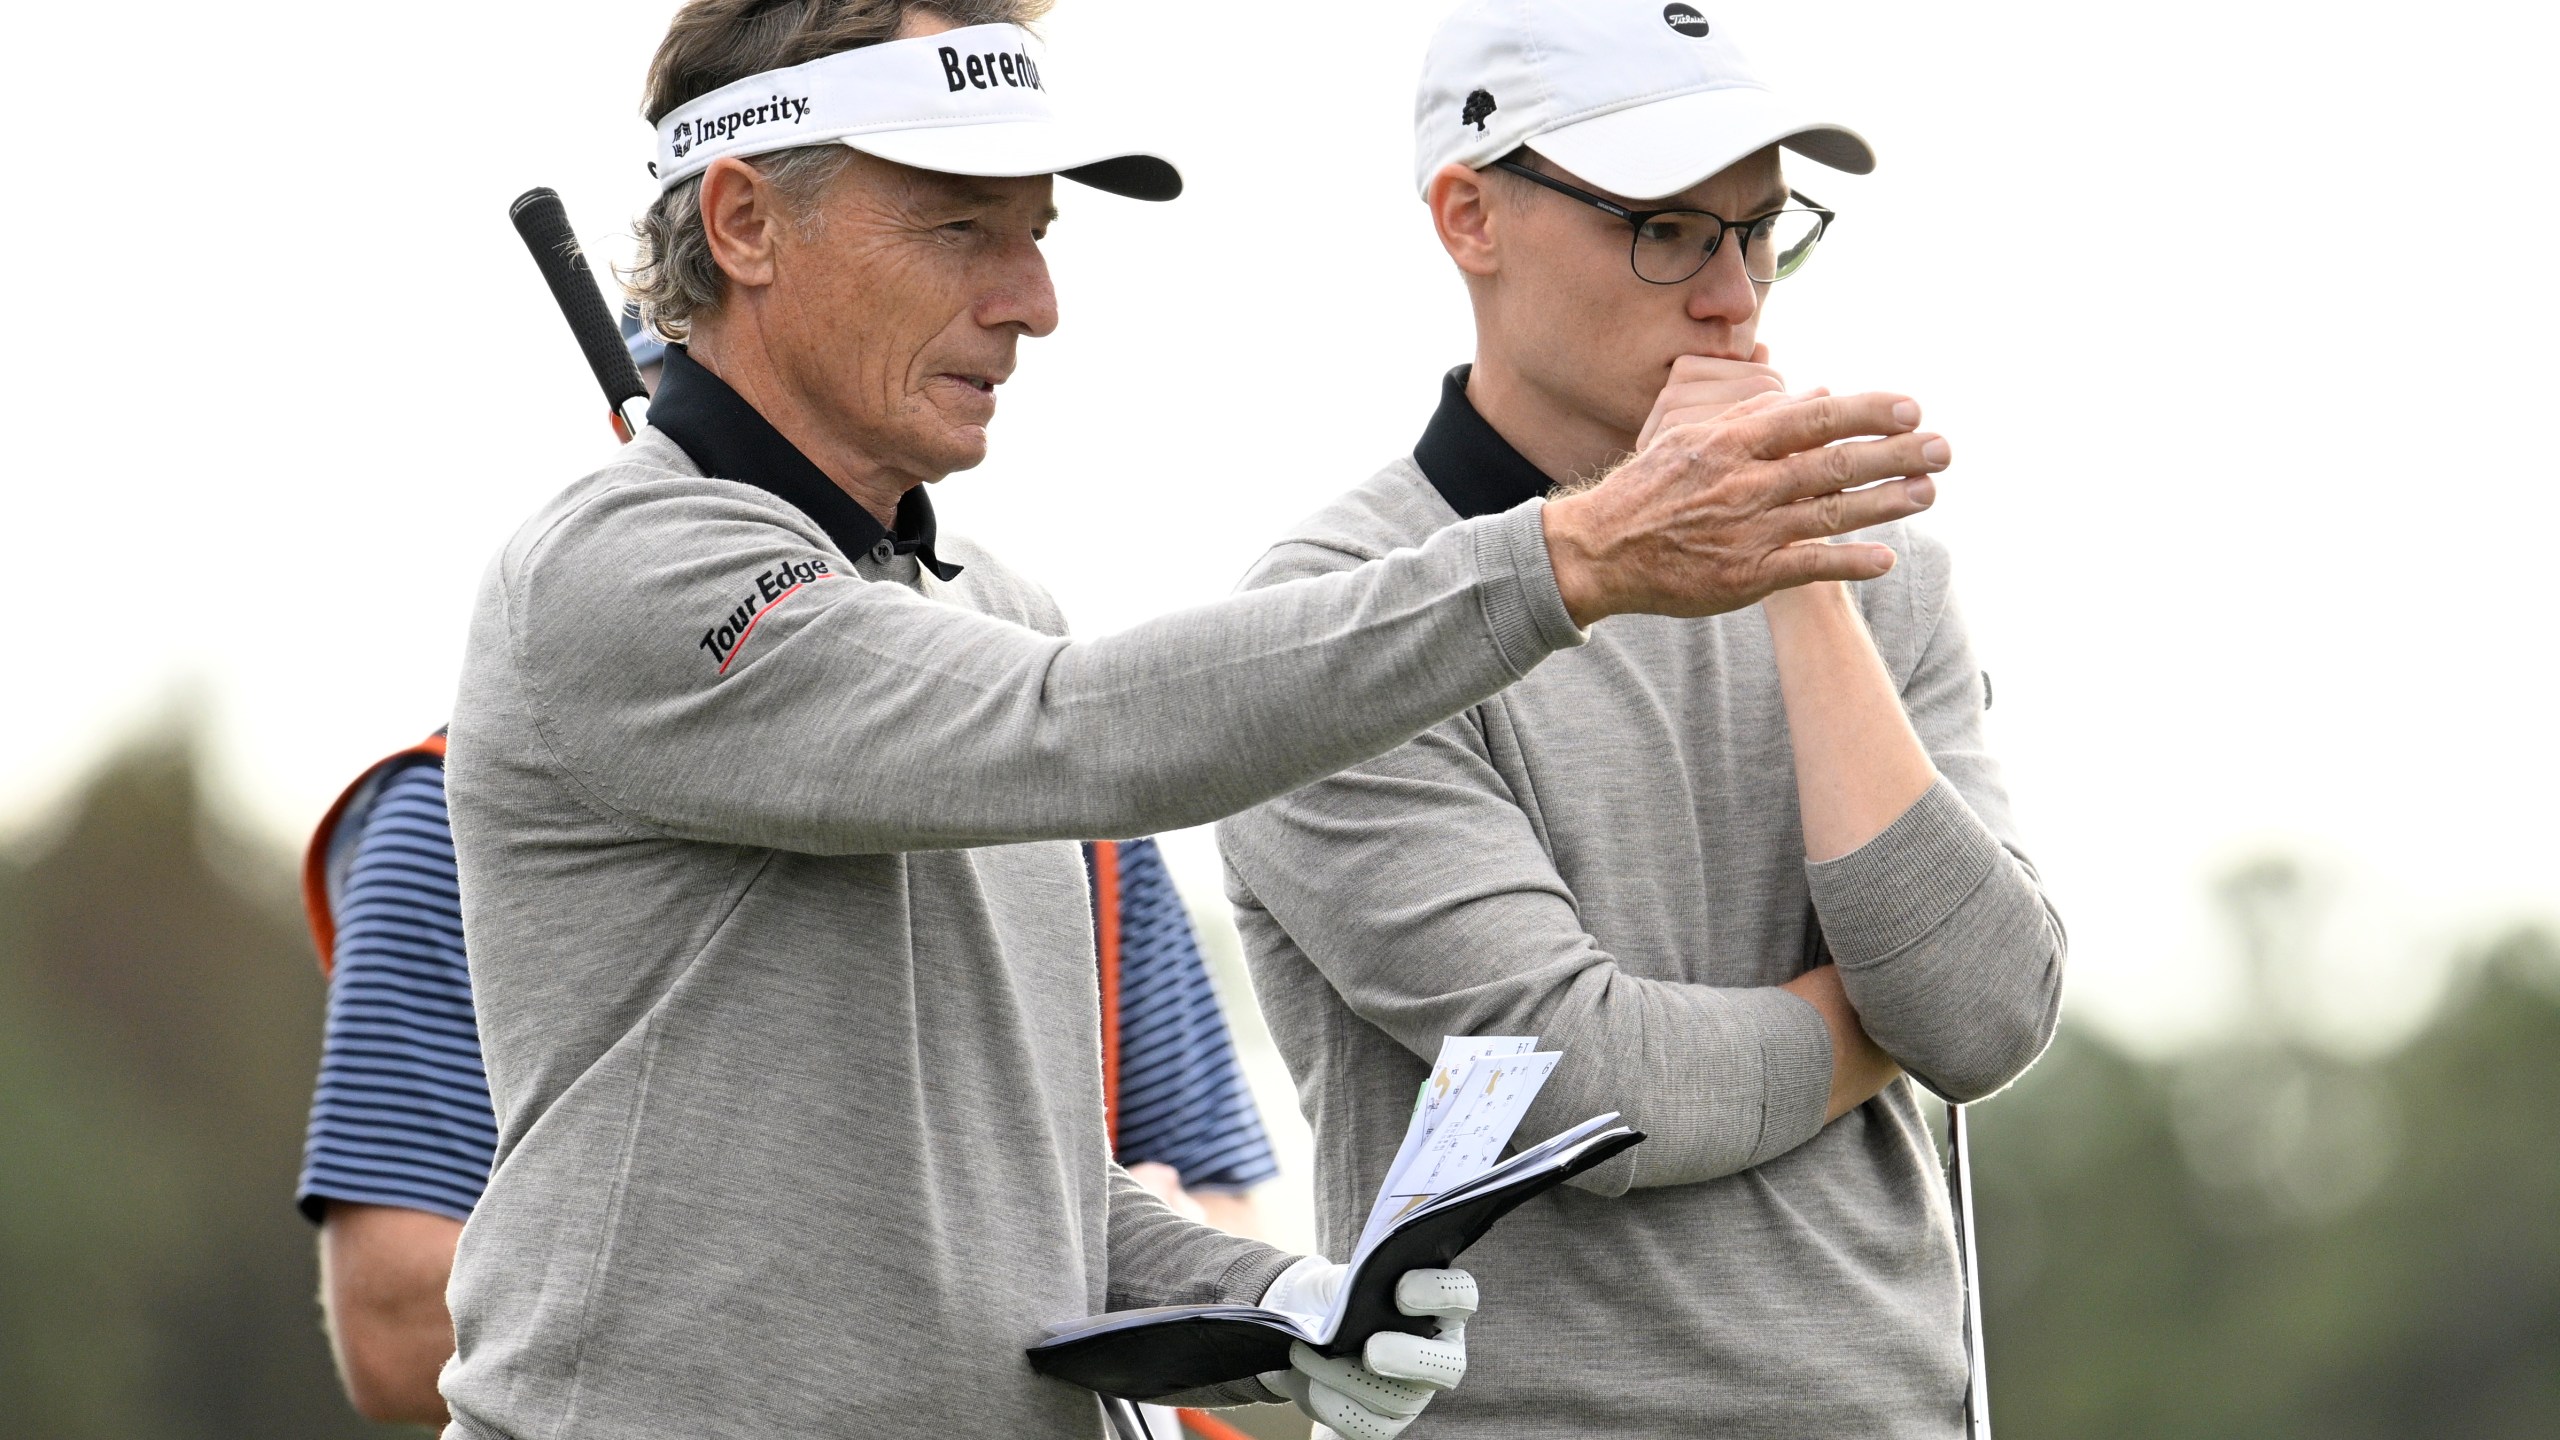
(1723, 290)
(1026, 300)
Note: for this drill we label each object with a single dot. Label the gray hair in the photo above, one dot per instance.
(712, 43)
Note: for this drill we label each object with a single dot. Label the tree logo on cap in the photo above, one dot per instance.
(683, 138)
(1479, 105)
(1686, 20)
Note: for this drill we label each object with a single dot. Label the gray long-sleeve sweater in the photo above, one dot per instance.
(799, 1105)
(1608, 855)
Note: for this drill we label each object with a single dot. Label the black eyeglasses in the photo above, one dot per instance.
(1671, 245)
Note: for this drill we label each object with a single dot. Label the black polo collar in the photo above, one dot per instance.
(729, 440)
(1469, 462)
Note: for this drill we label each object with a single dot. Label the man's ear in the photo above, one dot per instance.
(740, 215)
(1461, 210)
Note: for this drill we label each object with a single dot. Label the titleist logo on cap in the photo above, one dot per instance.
(1686, 20)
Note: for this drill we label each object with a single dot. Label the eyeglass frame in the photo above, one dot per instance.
(1637, 218)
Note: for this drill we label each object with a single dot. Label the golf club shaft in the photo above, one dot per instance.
(1977, 1398)
(1126, 1422)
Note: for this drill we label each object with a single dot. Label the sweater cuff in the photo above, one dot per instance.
(1517, 582)
(1250, 1276)
(1795, 1070)
(1901, 885)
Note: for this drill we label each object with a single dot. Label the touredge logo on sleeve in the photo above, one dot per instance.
(771, 588)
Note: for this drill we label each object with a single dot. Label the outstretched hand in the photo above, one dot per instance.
(1711, 516)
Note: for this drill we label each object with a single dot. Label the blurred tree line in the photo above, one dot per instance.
(2258, 1239)
(2263, 1239)
(159, 1030)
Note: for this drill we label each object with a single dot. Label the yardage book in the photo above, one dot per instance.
(1446, 1188)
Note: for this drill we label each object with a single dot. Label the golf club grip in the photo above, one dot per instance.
(544, 223)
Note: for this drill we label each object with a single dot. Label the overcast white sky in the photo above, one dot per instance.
(2239, 316)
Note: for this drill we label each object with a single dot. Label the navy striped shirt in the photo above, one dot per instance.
(401, 1116)
(1183, 1100)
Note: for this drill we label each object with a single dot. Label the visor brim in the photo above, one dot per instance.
(1017, 148)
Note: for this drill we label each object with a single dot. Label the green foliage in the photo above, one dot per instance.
(159, 1028)
(2264, 1242)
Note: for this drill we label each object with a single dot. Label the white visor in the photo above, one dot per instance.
(965, 102)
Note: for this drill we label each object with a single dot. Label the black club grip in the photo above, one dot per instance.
(544, 223)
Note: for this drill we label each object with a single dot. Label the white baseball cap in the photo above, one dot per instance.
(1634, 96)
(971, 101)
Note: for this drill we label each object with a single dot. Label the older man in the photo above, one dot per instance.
(761, 786)
(1746, 872)
(399, 1143)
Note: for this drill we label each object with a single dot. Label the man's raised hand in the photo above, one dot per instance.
(1712, 516)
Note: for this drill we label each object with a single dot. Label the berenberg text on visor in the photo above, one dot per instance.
(986, 72)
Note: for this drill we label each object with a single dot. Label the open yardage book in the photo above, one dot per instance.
(1446, 1188)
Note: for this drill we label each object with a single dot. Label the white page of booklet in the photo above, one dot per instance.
(1458, 1053)
(1467, 1139)
(1480, 1088)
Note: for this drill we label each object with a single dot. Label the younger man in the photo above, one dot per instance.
(1747, 872)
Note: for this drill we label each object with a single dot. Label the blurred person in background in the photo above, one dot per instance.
(1182, 1118)
(759, 782)
(1754, 874)
(401, 1134)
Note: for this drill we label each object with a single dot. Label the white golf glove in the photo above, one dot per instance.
(1377, 1395)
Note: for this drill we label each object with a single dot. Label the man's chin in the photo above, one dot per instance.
(962, 447)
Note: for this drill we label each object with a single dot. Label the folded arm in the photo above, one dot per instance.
(1946, 945)
(1417, 886)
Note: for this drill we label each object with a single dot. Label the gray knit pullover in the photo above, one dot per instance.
(1608, 855)
(783, 958)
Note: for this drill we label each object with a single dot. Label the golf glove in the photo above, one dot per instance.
(1377, 1395)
